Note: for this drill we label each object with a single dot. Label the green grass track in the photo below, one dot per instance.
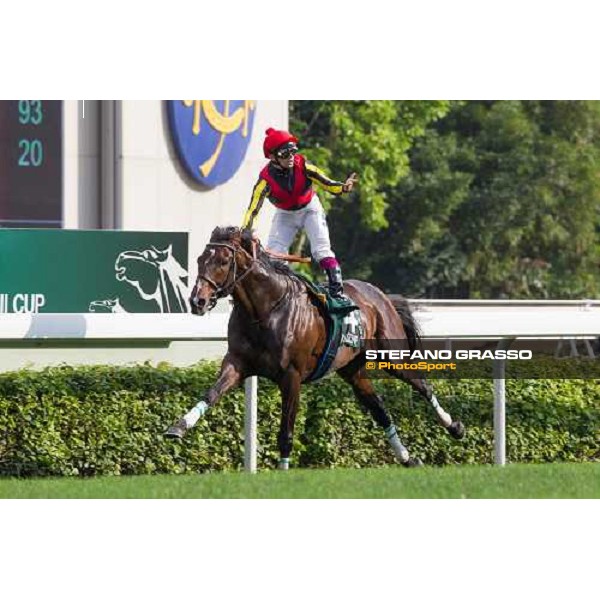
(513, 481)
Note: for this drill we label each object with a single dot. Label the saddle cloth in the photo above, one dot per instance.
(343, 322)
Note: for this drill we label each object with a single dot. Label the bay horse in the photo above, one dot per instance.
(277, 331)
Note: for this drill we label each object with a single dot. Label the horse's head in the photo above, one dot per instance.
(227, 258)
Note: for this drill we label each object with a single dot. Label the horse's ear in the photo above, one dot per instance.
(246, 239)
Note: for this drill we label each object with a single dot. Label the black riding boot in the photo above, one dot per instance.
(336, 287)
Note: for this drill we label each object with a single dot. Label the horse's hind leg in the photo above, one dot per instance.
(391, 326)
(455, 428)
(368, 397)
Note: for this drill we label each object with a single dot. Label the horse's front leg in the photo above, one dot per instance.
(230, 376)
(289, 386)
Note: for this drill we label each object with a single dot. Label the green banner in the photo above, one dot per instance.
(73, 271)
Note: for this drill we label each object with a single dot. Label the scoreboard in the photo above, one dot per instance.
(31, 163)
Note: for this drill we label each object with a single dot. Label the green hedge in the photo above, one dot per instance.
(110, 420)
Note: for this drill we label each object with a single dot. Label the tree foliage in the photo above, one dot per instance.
(372, 137)
(496, 199)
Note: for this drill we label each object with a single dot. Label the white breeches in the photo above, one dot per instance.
(311, 218)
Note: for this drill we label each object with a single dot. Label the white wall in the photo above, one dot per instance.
(81, 165)
(156, 194)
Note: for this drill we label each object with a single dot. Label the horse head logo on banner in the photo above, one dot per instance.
(211, 137)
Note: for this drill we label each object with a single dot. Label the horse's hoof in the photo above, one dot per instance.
(412, 462)
(177, 431)
(457, 430)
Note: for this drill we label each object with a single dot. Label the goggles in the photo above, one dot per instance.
(286, 152)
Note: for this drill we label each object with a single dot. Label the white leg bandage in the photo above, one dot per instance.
(191, 418)
(399, 450)
(443, 416)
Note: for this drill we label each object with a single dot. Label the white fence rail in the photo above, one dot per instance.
(88, 327)
(456, 319)
(539, 319)
(506, 321)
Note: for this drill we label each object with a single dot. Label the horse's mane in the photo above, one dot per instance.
(235, 234)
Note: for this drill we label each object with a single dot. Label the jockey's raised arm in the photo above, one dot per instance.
(287, 181)
(317, 176)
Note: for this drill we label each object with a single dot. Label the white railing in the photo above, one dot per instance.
(451, 319)
(137, 328)
(507, 318)
(506, 321)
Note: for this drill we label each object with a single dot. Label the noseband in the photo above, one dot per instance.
(226, 289)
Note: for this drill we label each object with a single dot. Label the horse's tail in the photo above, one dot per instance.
(411, 328)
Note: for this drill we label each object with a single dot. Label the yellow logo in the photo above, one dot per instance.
(224, 123)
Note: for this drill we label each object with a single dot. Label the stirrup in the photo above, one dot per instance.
(337, 291)
(335, 282)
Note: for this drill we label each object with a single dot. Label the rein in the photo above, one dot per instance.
(289, 257)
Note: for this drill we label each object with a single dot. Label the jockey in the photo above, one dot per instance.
(287, 180)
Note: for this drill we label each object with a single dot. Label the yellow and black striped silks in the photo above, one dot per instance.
(317, 176)
(262, 190)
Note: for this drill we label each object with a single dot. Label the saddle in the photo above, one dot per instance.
(343, 322)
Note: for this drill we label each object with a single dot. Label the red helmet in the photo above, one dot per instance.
(276, 138)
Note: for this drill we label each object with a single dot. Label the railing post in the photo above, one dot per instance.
(500, 405)
(250, 423)
(499, 412)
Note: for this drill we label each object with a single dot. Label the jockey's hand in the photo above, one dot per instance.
(350, 181)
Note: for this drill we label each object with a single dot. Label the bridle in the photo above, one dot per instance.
(221, 291)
